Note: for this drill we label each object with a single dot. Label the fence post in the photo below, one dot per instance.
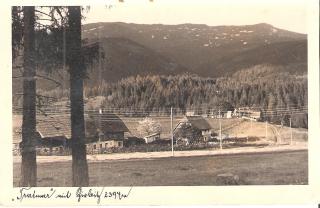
(220, 129)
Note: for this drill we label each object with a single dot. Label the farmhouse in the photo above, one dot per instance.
(103, 131)
(197, 123)
(53, 133)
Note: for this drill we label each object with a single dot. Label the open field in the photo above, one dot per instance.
(275, 168)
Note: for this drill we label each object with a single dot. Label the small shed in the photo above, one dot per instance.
(152, 137)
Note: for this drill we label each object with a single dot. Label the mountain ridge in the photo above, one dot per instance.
(199, 48)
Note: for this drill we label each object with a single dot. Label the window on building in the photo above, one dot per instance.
(100, 146)
(106, 145)
(94, 146)
(120, 144)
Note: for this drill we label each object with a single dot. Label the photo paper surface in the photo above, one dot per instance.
(160, 103)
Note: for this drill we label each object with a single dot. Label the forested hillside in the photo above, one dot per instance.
(277, 93)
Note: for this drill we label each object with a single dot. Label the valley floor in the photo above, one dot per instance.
(273, 165)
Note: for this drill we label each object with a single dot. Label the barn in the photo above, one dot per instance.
(103, 131)
(53, 133)
(196, 122)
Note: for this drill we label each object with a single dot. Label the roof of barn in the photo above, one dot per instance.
(105, 123)
(198, 122)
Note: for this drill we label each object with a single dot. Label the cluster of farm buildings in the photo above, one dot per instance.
(109, 130)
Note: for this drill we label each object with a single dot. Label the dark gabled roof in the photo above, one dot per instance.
(54, 126)
(132, 124)
(105, 123)
(60, 125)
(47, 126)
(198, 122)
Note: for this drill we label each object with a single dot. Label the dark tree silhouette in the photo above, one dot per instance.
(28, 145)
(77, 72)
(46, 51)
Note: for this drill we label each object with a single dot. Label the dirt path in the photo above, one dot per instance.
(150, 155)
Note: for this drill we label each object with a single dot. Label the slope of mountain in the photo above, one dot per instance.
(207, 50)
(293, 55)
(124, 57)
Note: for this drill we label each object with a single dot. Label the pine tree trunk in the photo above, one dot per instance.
(28, 145)
(77, 71)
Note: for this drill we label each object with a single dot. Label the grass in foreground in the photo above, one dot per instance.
(252, 169)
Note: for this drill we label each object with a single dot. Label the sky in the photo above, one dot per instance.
(285, 14)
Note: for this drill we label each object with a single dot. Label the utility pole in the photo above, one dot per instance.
(99, 120)
(172, 133)
(290, 132)
(100, 65)
(220, 129)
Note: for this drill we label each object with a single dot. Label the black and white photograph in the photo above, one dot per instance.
(159, 93)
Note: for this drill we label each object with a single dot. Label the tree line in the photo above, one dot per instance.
(278, 95)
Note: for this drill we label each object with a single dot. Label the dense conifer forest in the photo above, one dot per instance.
(279, 95)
